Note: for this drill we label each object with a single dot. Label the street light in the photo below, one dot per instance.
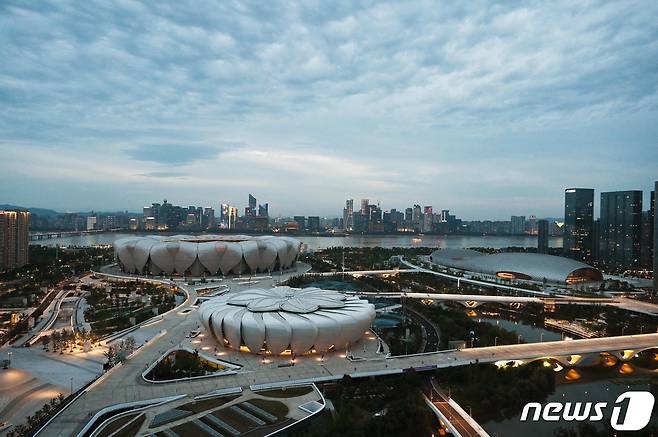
(496, 341)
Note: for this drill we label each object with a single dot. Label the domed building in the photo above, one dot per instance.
(518, 265)
(205, 254)
(287, 319)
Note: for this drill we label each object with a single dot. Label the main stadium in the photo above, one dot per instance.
(285, 319)
(518, 266)
(211, 255)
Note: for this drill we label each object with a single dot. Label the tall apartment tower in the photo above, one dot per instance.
(621, 221)
(14, 239)
(647, 233)
(348, 211)
(542, 236)
(517, 225)
(579, 223)
(365, 206)
(655, 243)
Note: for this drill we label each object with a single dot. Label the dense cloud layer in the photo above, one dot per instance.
(475, 106)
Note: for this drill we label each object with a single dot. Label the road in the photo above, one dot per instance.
(458, 422)
(618, 302)
(431, 330)
(465, 425)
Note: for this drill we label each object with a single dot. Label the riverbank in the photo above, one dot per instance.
(316, 242)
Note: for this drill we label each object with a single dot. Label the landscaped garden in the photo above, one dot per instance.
(391, 406)
(120, 305)
(182, 364)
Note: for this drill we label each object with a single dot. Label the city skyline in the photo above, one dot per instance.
(482, 109)
(335, 212)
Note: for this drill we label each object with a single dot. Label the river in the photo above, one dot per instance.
(322, 242)
(593, 384)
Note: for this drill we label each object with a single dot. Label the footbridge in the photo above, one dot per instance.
(475, 300)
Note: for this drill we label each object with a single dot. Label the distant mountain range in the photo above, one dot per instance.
(42, 212)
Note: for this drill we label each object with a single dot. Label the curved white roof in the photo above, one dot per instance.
(536, 266)
(213, 254)
(284, 318)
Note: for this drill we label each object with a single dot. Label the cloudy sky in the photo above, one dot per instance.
(486, 109)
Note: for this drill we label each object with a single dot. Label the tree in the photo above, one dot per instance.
(56, 340)
(45, 341)
(129, 345)
(111, 356)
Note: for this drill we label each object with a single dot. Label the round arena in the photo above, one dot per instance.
(211, 255)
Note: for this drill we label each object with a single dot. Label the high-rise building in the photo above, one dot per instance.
(150, 224)
(417, 217)
(596, 240)
(542, 236)
(518, 224)
(232, 217)
(301, 222)
(348, 222)
(208, 221)
(655, 242)
(531, 225)
(646, 252)
(364, 206)
(313, 223)
(408, 216)
(621, 220)
(14, 239)
(223, 215)
(250, 211)
(427, 219)
(264, 210)
(579, 223)
(91, 223)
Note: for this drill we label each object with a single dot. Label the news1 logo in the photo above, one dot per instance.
(630, 412)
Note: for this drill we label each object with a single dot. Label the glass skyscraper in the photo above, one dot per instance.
(621, 221)
(579, 223)
(655, 241)
(542, 236)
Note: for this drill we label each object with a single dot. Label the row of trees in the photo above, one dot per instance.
(68, 339)
(33, 421)
(117, 353)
